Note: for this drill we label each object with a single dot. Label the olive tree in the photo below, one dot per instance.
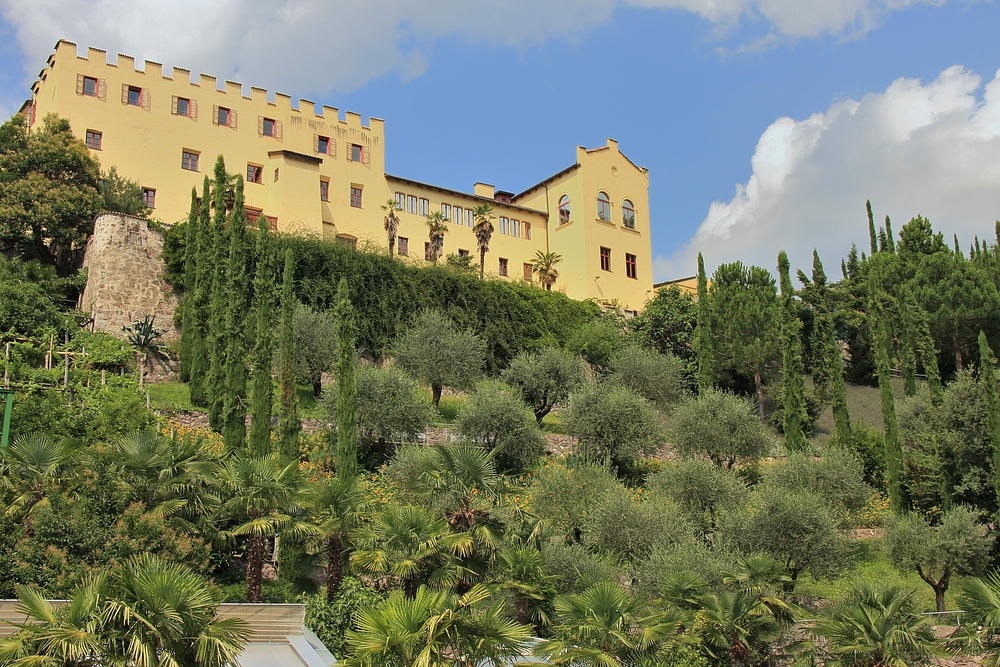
(958, 545)
(837, 477)
(658, 377)
(315, 345)
(495, 418)
(545, 378)
(721, 426)
(436, 352)
(700, 489)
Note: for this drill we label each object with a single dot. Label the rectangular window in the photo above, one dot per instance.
(503, 266)
(355, 197)
(402, 245)
(463, 253)
(183, 106)
(400, 201)
(348, 241)
(94, 140)
(272, 222)
(470, 218)
(323, 145)
(267, 127)
(356, 153)
(515, 228)
(324, 190)
(149, 197)
(446, 211)
(425, 207)
(527, 230)
(504, 226)
(225, 117)
(527, 271)
(605, 259)
(411, 204)
(457, 218)
(630, 268)
(134, 96)
(189, 161)
(90, 87)
(253, 215)
(255, 173)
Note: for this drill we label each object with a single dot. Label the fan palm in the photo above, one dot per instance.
(607, 625)
(411, 543)
(875, 626)
(266, 499)
(164, 614)
(543, 266)
(436, 629)
(335, 502)
(483, 215)
(35, 464)
(981, 599)
(391, 207)
(436, 230)
(521, 572)
(70, 635)
(740, 625)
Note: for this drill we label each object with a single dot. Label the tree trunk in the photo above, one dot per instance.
(760, 393)
(410, 586)
(542, 411)
(939, 596)
(523, 606)
(334, 569)
(255, 566)
(317, 388)
(958, 352)
(436, 395)
(482, 263)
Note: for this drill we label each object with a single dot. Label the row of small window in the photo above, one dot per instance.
(223, 116)
(631, 268)
(603, 210)
(459, 215)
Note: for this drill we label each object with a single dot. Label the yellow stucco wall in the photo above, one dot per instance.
(145, 141)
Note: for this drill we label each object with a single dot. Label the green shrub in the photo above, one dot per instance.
(331, 620)
(495, 418)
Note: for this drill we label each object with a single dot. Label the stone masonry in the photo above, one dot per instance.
(125, 276)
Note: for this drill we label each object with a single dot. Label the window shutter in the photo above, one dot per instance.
(79, 84)
(173, 105)
(124, 93)
(193, 109)
(260, 125)
(145, 99)
(215, 114)
(332, 148)
(101, 89)
(277, 130)
(315, 143)
(365, 157)
(350, 153)
(232, 119)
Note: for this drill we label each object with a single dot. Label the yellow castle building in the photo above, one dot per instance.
(310, 171)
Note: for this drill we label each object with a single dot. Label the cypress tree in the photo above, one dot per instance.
(347, 406)
(889, 242)
(822, 369)
(216, 337)
(234, 409)
(871, 227)
(907, 354)
(289, 424)
(261, 384)
(190, 281)
(987, 378)
(793, 398)
(830, 358)
(703, 333)
(898, 501)
(200, 361)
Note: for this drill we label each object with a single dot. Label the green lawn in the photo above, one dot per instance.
(170, 397)
(862, 402)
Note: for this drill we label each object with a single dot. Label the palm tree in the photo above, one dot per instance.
(436, 629)
(436, 230)
(483, 215)
(606, 625)
(543, 266)
(981, 599)
(70, 635)
(335, 503)
(145, 340)
(34, 466)
(521, 572)
(164, 614)
(877, 625)
(266, 496)
(739, 625)
(412, 543)
(391, 206)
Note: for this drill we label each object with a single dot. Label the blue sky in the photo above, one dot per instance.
(765, 124)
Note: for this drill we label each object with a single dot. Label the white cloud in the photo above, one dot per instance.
(319, 45)
(915, 148)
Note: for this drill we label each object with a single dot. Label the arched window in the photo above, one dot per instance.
(628, 214)
(603, 206)
(564, 209)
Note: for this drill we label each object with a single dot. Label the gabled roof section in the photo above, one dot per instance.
(548, 180)
(458, 193)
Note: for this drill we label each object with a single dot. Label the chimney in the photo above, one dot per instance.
(483, 190)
